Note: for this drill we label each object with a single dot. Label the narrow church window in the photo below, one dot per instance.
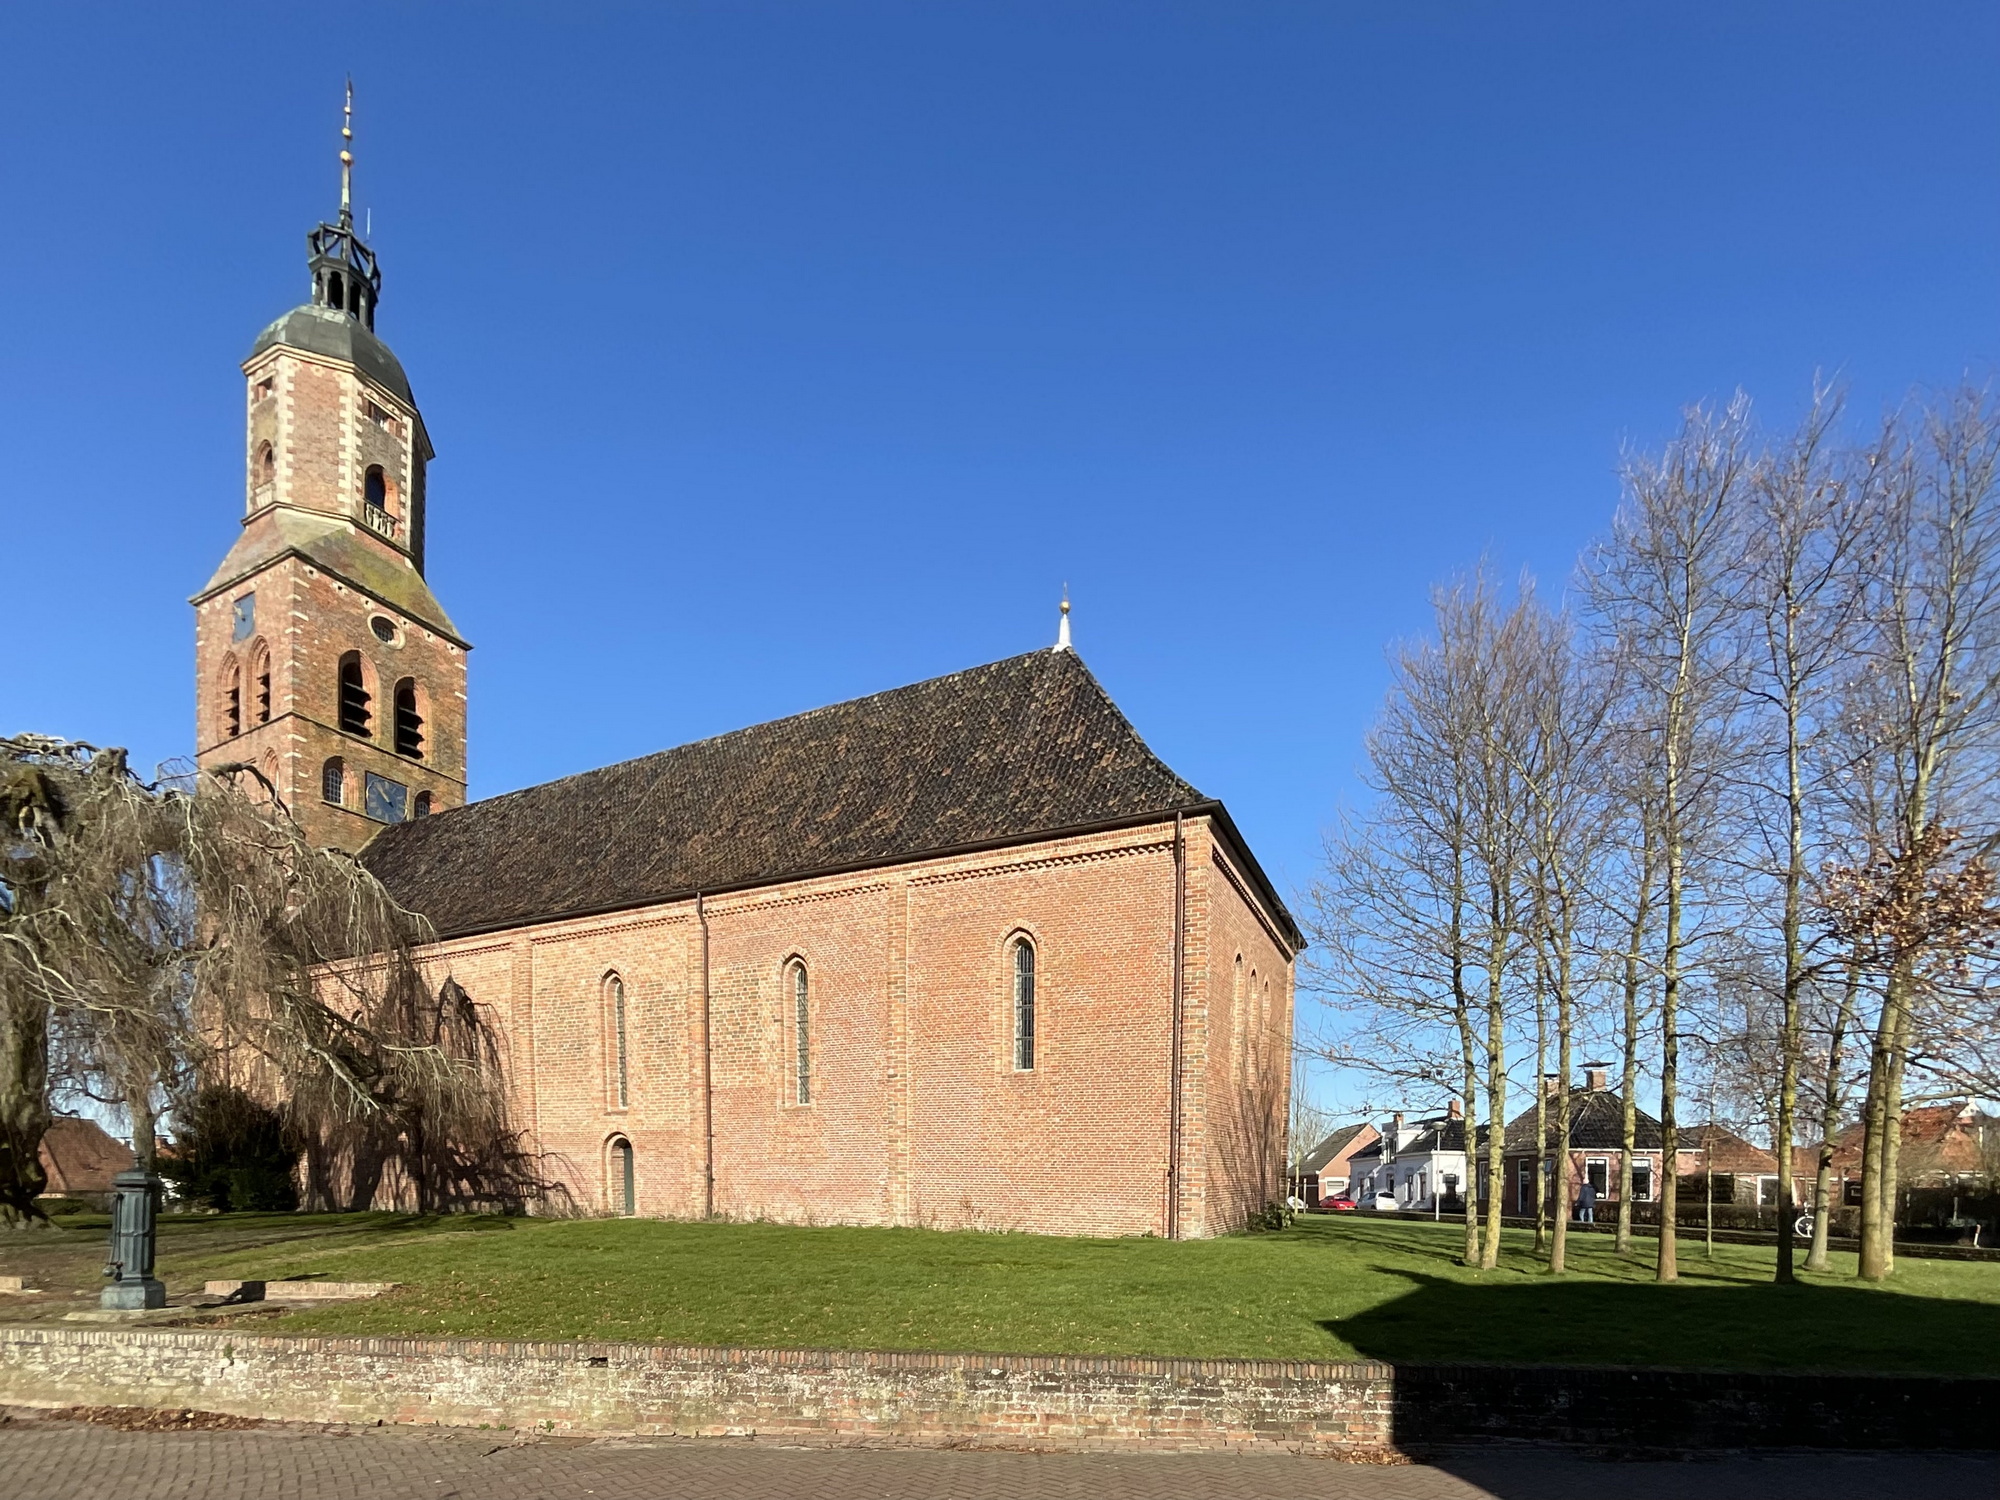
(384, 800)
(267, 465)
(375, 488)
(422, 809)
(1024, 1005)
(354, 696)
(336, 290)
(614, 992)
(409, 724)
(801, 1037)
(333, 782)
(624, 1187)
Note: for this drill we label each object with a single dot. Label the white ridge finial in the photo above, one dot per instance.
(1062, 630)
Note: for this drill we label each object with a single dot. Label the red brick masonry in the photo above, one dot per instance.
(1057, 1402)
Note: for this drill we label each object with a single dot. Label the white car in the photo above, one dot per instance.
(1385, 1203)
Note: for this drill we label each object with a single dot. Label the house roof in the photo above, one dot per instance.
(1722, 1150)
(1596, 1123)
(1027, 748)
(81, 1156)
(1438, 1135)
(1949, 1139)
(1344, 1142)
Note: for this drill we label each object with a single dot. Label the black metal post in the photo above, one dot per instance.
(134, 1208)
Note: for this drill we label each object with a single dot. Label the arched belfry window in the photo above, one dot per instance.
(409, 721)
(1024, 1004)
(266, 467)
(260, 684)
(354, 695)
(621, 1075)
(232, 699)
(375, 488)
(622, 1190)
(798, 993)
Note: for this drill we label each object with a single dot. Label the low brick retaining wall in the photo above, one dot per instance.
(982, 1399)
(972, 1399)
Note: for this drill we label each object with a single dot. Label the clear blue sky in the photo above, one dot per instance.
(780, 353)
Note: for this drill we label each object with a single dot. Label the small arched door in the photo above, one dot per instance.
(624, 1182)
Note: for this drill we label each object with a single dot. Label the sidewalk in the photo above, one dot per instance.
(63, 1460)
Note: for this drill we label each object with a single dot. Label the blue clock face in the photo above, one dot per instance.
(244, 619)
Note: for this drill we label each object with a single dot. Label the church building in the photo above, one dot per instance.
(962, 953)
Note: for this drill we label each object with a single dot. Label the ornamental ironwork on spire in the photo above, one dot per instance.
(345, 276)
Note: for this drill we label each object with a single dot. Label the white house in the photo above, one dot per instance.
(1413, 1165)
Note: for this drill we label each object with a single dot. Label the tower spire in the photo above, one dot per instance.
(1062, 630)
(347, 160)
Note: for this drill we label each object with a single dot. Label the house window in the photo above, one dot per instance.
(624, 1187)
(409, 723)
(1597, 1172)
(1024, 1005)
(243, 618)
(354, 696)
(801, 1037)
(385, 801)
(333, 782)
(1642, 1182)
(614, 995)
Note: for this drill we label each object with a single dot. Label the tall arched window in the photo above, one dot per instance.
(260, 684)
(621, 1078)
(333, 782)
(801, 1035)
(409, 723)
(266, 468)
(232, 699)
(354, 696)
(375, 488)
(1024, 1004)
(623, 1189)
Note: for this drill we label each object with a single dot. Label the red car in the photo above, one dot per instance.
(1341, 1205)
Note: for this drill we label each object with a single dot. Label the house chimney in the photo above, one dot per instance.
(1550, 1083)
(1596, 1076)
(1455, 1110)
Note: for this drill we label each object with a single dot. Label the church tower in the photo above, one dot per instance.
(321, 655)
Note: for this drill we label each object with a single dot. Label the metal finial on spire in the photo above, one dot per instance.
(1062, 630)
(347, 159)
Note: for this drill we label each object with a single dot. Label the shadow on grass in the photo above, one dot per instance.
(1690, 1325)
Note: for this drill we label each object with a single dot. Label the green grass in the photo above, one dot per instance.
(1327, 1289)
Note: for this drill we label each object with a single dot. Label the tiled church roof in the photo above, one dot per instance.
(1003, 753)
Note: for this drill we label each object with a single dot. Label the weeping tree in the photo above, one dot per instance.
(161, 937)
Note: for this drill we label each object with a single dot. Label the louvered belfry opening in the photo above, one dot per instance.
(409, 722)
(354, 699)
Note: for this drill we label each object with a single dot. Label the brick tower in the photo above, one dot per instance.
(321, 655)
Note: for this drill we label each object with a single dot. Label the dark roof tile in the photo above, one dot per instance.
(1021, 748)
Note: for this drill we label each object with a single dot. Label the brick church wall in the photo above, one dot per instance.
(917, 1114)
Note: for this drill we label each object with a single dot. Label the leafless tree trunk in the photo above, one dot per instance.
(1662, 587)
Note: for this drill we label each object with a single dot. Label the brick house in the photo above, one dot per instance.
(1951, 1145)
(1419, 1164)
(1596, 1134)
(1326, 1170)
(964, 952)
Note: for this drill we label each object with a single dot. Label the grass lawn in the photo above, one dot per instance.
(1328, 1289)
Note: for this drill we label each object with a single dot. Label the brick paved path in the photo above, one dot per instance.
(46, 1460)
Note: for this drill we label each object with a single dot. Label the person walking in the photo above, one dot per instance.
(1586, 1203)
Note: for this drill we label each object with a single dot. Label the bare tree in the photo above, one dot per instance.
(161, 933)
(1662, 586)
(1926, 707)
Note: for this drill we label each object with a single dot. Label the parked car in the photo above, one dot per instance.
(1385, 1203)
(1341, 1205)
